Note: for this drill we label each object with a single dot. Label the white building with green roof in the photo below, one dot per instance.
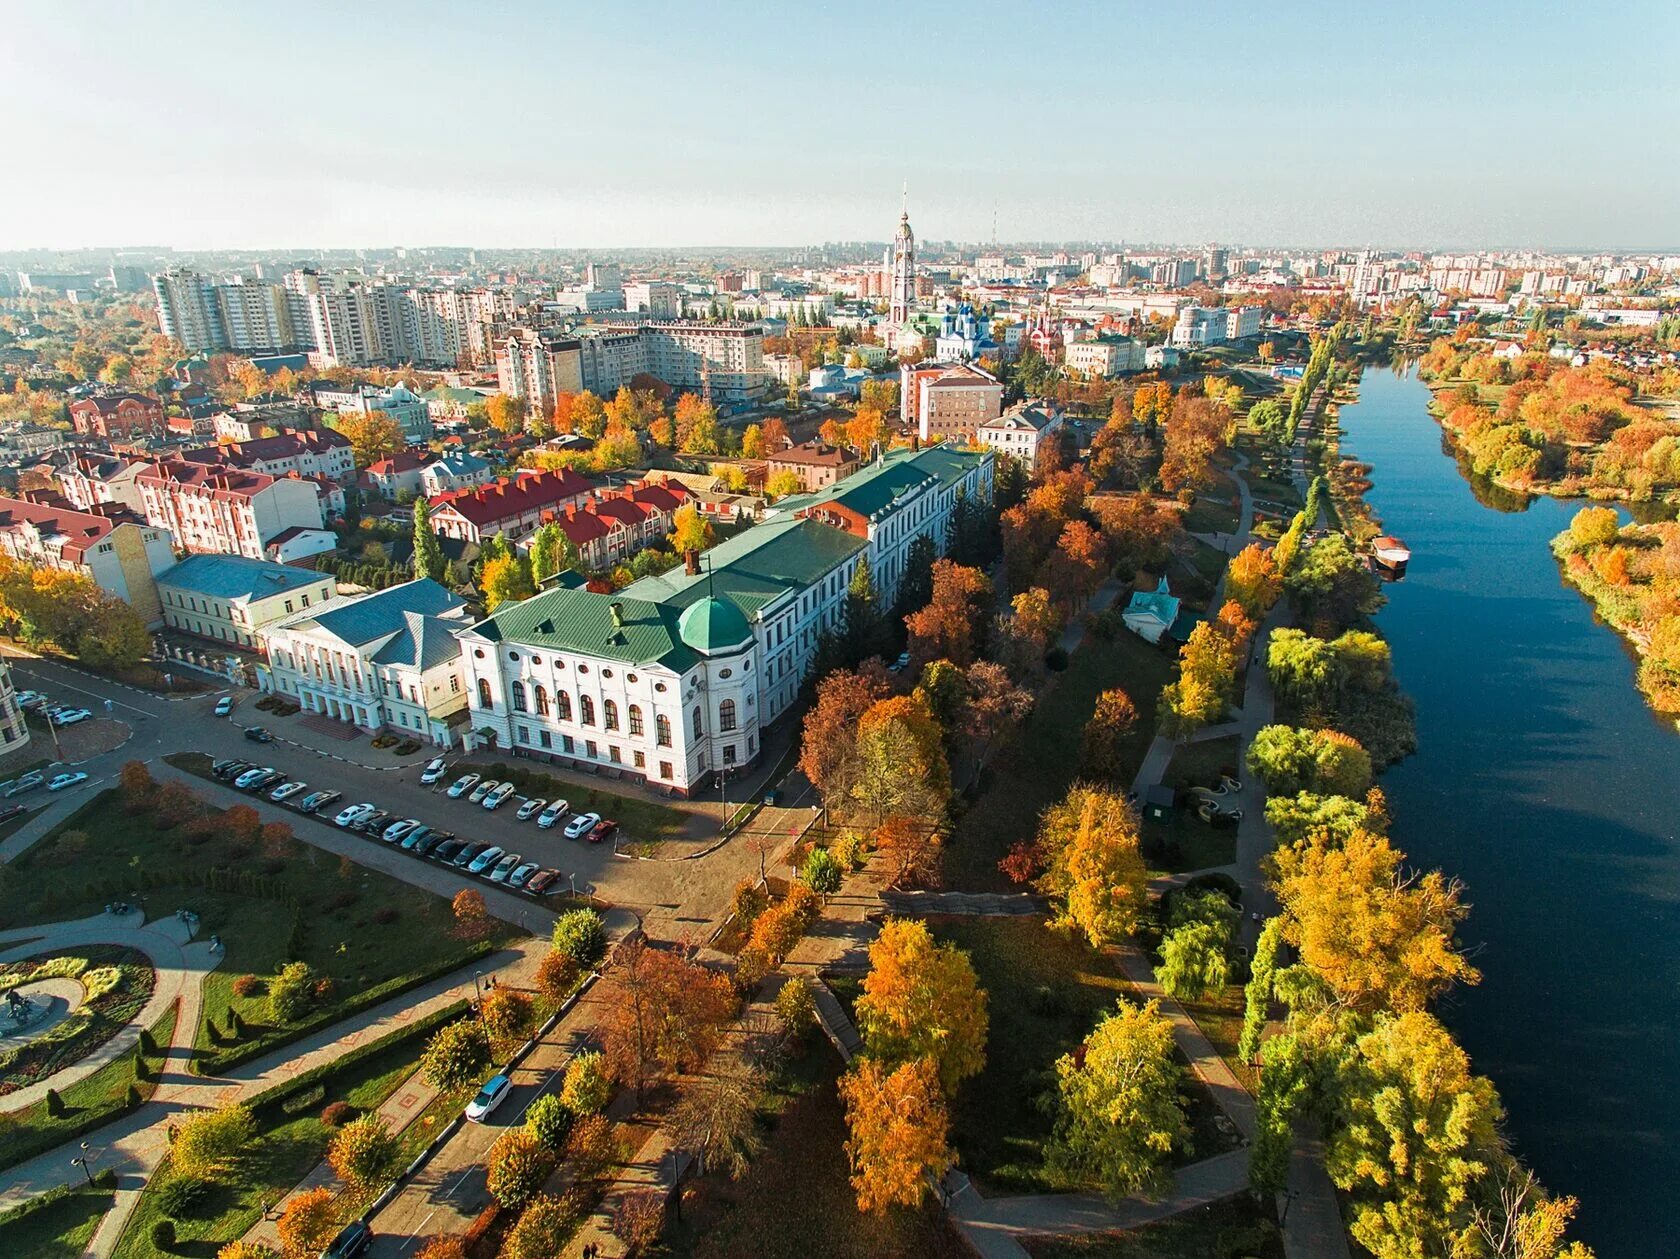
(676, 676)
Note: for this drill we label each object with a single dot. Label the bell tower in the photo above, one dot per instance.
(903, 266)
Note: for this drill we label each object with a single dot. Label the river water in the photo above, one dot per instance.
(1546, 785)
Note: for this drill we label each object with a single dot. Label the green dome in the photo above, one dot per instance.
(713, 625)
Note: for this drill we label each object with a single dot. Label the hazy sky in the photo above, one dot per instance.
(583, 123)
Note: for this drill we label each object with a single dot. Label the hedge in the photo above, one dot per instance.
(104, 1182)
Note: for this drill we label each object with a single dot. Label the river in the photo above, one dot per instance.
(1546, 785)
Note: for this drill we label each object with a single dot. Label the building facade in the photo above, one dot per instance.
(949, 401)
(1022, 431)
(14, 731)
(117, 416)
(815, 463)
(513, 506)
(233, 600)
(226, 511)
(118, 552)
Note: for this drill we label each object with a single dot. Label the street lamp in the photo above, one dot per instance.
(477, 995)
(82, 1162)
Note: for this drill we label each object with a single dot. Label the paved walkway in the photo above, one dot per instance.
(973, 904)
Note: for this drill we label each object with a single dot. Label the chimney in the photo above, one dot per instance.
(691, 562)
(617, 610)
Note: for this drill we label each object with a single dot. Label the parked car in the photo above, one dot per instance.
(489, 857)
(432, 840)
(528, 808)
(556, 810)
(220, 768)
(67, 780)
(374, 822)
(352, 1240)
(506, 866)
(492, 1095)
(13, 810)
(250, 776)
(543, 882)
(603, 830)
(435, 769)
(477, 794)
(285, 791)
(33, 779)
(467, 853)
(267, 780)
(355, 813)
(414, 837)
(520, 875)
(36, 705)
(497, 798)
(396, 830)
(26, 698)
(446, 850)
(318, 801)
(581, 825)
(224, 706)
(462, 785)
(69, 717)
(256, 734)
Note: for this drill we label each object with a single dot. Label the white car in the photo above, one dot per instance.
(66, 780)
(492, 1095)
(435, 769)
(251, 775)
(477, 794)
(396, 830)
(462, 785)
(506, 866)
(224, 706)
(355, 813)
(70, 716)
(531, 806)
(556, 810)
(499, 796)
(524, 872)
(285, 791)
(581, 825)
(26, 698)
(489, 857)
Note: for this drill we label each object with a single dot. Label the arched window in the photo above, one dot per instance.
(484, 692)
(540, 698)
(726, 715)
(635, 720)
(587, 707)
(563, 705)
(518, 689)
(699, 725)
(662, 730)
(609, 711)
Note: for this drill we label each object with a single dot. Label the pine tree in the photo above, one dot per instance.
(864, 631)
(428, 555)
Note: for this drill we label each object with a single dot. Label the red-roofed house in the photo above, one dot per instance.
(117, 415)
(226, 511)
(511, 506)
(390, 477)
(121, 553)
(310, 453)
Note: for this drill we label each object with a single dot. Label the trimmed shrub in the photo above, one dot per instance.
(337, 1114)
(163, 1234)
(180, 1196)
(247, 986)
(582, 936)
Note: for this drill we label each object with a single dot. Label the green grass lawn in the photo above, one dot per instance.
(1042, 762)
(285, 1151)
(1238, 1228)
(364, 931)
(95, 1022)
(1216, 510)
(796, 1200)
(60, 1229)
(1187, 842)
(1045, 992)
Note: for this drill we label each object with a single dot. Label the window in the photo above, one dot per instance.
(726, 715)
(640, 759)
(540, 696)
(544, 738)
(518, 691)
(636, 720)
(662, 730)
(454, 685)
(586, 707)
(594, 749)
(288, 605)
(609, 712)
(524, 733)
(613, 754)
(484, 692)
(563, 705)
(305, 599)
(664, 769)
(567, 744)
(699, 725)
(728, 753)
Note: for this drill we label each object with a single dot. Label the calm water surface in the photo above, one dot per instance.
(1543, 782)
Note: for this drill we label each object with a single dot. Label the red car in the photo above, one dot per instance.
(11, 811)
(544, 882)
(606, 828)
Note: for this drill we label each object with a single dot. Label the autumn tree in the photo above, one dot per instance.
(364, 1153)
(947, 627)
(457, 1054)
(549, 1120)
(828, 751)
(908, 847)
(471, 916)
(1207, 670)
(921, 1000)
(518, 1166)
(552, 551)
(1381, 938)
(506, 579)
(901, 764)
(209, 1143)
(866, 428)
(581, 934)
(776, 436)
(717, 1119)
(671, 1015)
(1118, 1117)
(372, 435)
(507, 1015)
(1195, 952)
(1251, 578)
(1103, 742)
(507, 413)
(1196, 430)
(899, 1129)
(588, 415)
(544, 1227)
(697, 426)
(1093, 870)
(690, 531)
(557, 976)
(1594, 526)
(1036, 618)
(1076, 566)
(586, 1088)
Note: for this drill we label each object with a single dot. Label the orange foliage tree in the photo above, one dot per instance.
(899, 1127)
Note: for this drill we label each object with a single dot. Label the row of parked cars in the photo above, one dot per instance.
(276, 784)
(39, 703)
(492, 795)
(489, 861)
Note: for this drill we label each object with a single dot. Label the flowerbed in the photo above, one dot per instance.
(118, 982)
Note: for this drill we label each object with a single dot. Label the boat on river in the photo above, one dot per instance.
(1391, 553)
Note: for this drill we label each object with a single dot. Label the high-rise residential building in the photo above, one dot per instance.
(187, 310)
(654, 297)
(948, 400)
(538, 366)
(725, 359)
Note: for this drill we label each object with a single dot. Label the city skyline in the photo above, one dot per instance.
(757, 127)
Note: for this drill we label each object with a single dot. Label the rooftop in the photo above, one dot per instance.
(235, 577)
(362, 620)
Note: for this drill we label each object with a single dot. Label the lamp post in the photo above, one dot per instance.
(82, 1162)
(477, 995)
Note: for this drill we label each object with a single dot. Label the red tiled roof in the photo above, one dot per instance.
(582, 527)
(667, 497)
(106, 403)
(630, 513)
(402, 461)
(282, 446)
(504, 498)
(80, 529)
(212, 478)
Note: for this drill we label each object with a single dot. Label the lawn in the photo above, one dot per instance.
(1216, 510)
(366, 933)
(1045, 991)
(1040, 764)
(287, 1147)
(98, 1019)
(1220, 1016)
(58, 1229)
(89, 1103)
(641, 820)
(796, 1200)
(1186, 842)
(1237, 1228)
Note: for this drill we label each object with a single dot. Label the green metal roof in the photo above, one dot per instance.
(713, 625)
(580, 620)
(875, 485)
(757, 566)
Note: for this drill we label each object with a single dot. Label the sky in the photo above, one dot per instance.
(722, 122)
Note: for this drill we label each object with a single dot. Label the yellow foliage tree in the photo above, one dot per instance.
(899, 1129)
(1089, 845)
(921, 1000)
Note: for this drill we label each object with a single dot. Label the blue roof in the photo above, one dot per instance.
(1159, 602)
(383, 613)
(422, 643)
(236, 577)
